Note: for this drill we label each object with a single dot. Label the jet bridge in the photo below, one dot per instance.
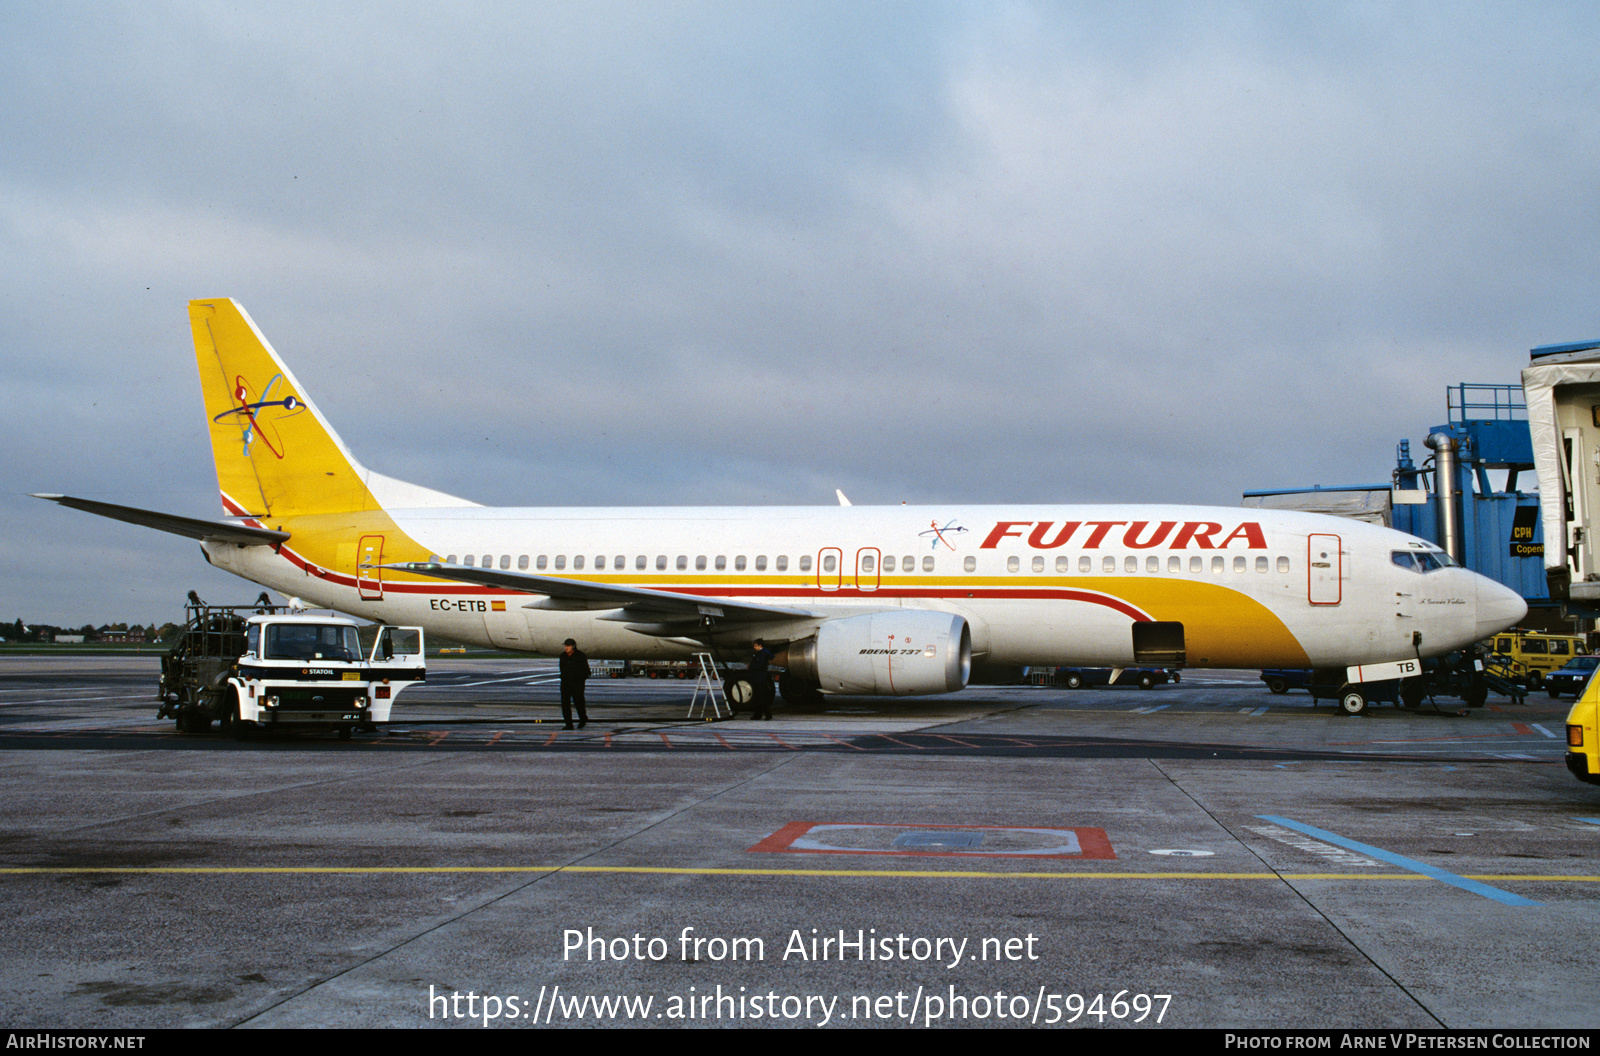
(1562, 387)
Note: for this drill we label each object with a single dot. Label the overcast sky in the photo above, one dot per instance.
(705, 253)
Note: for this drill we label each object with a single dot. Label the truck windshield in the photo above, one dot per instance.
(312, 641)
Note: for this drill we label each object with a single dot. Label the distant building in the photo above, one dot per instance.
(69, 639)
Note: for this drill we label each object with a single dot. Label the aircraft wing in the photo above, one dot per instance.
(639, 604)
(193, 527)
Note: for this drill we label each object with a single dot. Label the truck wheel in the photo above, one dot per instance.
(1278, 684)
(1074, 680)
(1555, 693)
(1352, 701)
(344, 733)
(1146, 682)
(241, 729)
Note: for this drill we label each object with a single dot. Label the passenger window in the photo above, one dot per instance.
(1196, 564)
(1239, 564)
(641, 562)
(927, 564)
(1038, 564)
(1261, 564)
(1130, 564)
(1217, 564)
(1108, 564)
(867, 564)
(522, 563)
(1174, 563)
(700, 563)
(805, 562)
(450, 560)
(1012, 564)
(1152, 564)
(738, 563)
(1062, 564)
(970, 564)
(561, 562)
(467, 560)
(888, 562)
(661, 562)
(828, 563)
(1085, 564)
(782, 563)
(540, 563)
(761, 562)
(683, 563)
(577, 563)
(1283, 564)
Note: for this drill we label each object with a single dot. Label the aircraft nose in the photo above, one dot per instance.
(1499, 607)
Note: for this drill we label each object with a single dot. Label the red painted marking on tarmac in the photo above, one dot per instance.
(1092, 843)
(493, 740)
(1522, 727)
(552, 738)
(847, 744)
(896, 740)
(724, 741)
(666, 740)
(437, 738)
(956, 740)
(781, 741)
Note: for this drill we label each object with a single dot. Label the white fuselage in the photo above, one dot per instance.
(1037, 585)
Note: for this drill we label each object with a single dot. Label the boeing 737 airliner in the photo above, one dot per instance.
(858, 600)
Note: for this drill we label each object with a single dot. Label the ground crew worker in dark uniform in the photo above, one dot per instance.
(574, 672)
(760, 681)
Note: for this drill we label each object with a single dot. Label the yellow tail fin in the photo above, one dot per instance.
(275, 453)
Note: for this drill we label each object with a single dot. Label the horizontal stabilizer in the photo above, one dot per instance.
(192, 527)
(635, 599)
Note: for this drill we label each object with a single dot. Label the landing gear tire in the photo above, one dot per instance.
(801, 692)
(1073, 680)
(1412, 695)
(1352, 701)
(739, 692)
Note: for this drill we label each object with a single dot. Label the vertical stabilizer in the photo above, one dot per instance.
(275, 453)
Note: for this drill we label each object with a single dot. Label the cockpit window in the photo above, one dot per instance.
(1421, 560)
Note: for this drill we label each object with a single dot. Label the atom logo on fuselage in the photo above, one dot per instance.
(258, 425)
(938, 533)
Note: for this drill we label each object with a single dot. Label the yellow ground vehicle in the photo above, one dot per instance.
(1583, 735)
(1531, 656)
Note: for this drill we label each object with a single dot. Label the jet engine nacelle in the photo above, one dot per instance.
(898, 653)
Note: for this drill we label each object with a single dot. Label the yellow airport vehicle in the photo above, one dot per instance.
(1529, 656)
(1583, 735)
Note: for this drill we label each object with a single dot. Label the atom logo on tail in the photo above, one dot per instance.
(255, 424)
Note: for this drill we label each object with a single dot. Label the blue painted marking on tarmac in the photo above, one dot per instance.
(1444, 877)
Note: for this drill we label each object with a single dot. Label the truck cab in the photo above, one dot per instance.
(274, 669)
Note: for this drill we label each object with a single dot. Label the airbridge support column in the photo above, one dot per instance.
(1447, 480)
